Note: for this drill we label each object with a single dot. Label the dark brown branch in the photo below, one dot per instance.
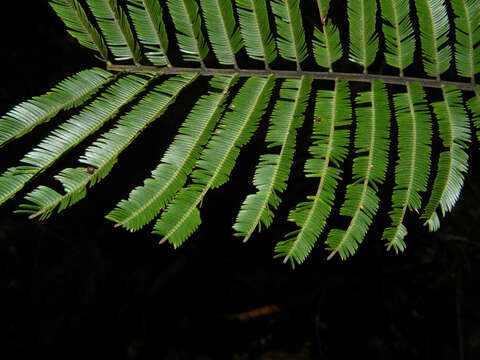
(388, 79)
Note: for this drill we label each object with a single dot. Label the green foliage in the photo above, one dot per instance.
(71, 133)
(291, 36)
(255, 29)
(433, 22)
(330, 140)
(453, 163)
(413, 164)
(369, 167)
(467, 36)
(102, 155)
(273, 170)
(152, 33)
(398, 31)
(186, 15)
(145, 202)
(222, 29)
(229, 110)
(115, 26)
(217, 160)
(363, 39)
(70, 93)
(73, 15)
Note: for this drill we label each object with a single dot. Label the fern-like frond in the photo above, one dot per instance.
(433, 22)
(255, 29)
(398, 31)
(100, 157)
(363, 38)
(73, 131)
(330, 137)
(467, 36)
(187, 19)
(147, 18)
(474, 106)
(453, 163)
(291, 36)
(326, 45)
(182, 216)
(145, 202)
(413, 165)
(73, 15)
(116, 29)
(273, 170)
(372, 139)
(69, 93)
(222, 30)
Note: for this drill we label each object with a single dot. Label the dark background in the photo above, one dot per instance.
(79, 288)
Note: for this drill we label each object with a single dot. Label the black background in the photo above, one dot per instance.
(79, 288)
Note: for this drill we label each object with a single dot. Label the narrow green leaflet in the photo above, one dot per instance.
(454, 130)
(369, 167)
(273, 169)
(71, 133)
(145, 202)
(413, 164)
(100, 157)
(116, 29)
(326, 45)
(330, 141)
(182, 216)
(255, 29)
(187, 19)
(363, 39)
(291, 36)
(147, 18)
(398, 32)
(474, 105)
(78, 25)
(222, 30)
(467, 36)
(71, 92)
(433, 22)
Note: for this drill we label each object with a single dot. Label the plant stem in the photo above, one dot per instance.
(285, 74)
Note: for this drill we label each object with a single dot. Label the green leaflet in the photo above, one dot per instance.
(148, 21)
(413, 164)
(453, 163)
(186, 15)
(372, 138)
(71, 92)
(100, 157)
(222, 30)
(145, 202)
(273, 170)
(330, 141)
(116, 29)
(74, 17)
(363, 39)
(326, 45)
(474, 105)
(182, 217)
(255, 29)
(398, 31)
(71, 133)
(291, 36)
(467, 36)
(433, 21)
